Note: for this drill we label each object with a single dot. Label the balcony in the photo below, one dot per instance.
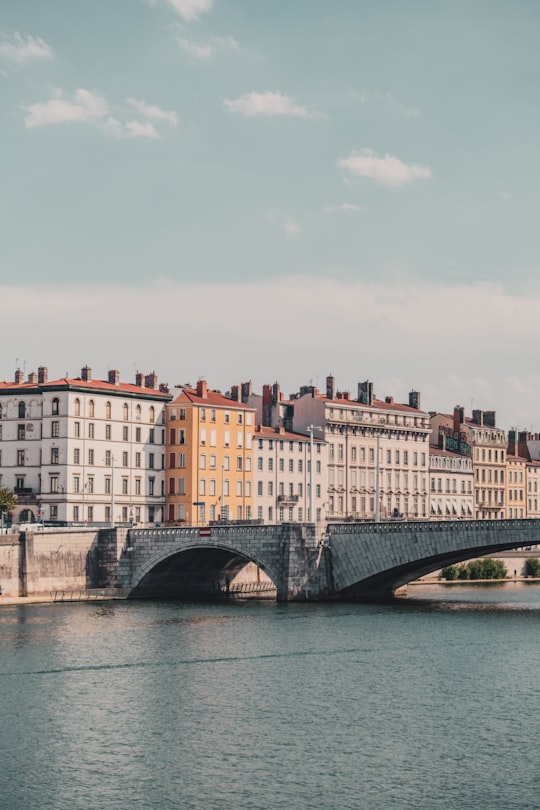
(286, 500)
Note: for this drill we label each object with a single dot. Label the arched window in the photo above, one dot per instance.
(55, 406)
(22, 410)
(91, 408)
(77, 407)
(107, 410)
(138, 412)
(126, 412)
(152, 414)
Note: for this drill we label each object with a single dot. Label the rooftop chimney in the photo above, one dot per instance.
(19, 377)
(114, 377)
(478, 417)
(43, 374)
(32, 378)
(389, 400)
(151, 380)
(414, 400)
(202, 389)
(139, 379)
(459, 416)
(86, 374)
(247, 390)
(330, 387)
(235, 392)
(365, 393)
(489, 418)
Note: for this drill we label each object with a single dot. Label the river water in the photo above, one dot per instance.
(431, 702)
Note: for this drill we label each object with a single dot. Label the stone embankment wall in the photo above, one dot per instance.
(44, 562)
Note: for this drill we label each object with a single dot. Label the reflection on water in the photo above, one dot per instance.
(427, 703)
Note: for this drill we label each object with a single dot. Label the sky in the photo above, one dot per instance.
(242, 190)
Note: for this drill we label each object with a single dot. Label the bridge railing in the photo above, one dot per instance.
(401, 526)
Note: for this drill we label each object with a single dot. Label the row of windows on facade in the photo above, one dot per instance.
(489, 476)
(292, 489)
(393, 506)
(483, 454)
(490, 496)
(211, 414)
(89, 487)
(80, 514)
(178, 437)
(177, 486)
(450, 485)
(179, 461)
(22, 432)
(91, 458)
(90, 484)
(23, 410)
(290, 466)
(180, 513)
(359, 478)
(359, 454)
(383, 419)
(280, 445)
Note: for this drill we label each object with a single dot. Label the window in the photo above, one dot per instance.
(125, 458)
(291, 465)
(77, 429)
(213, 438)
(203, 414)
(238, 462)
(125, 433)
(107, 486)
(90, 513)
(124, 486)
(182, 413)
(54, 483)
(55, 406)
(181, 486)
(227, 417)
(90, 484)
(22, 410)
(137, 434)
(151, 486)
(76, 455)
(181, 460)
(90, 430)
(212, 490)
(75, 513)
(212, 416)
(202, 461)
(239, 489)
(55, 455)
(212, 462)
(107, 410)
(259, 462)
(226, 462)
(90, 456)
(270, 464)
(108, 458)
(202, 437)
(226, 488)
(202, 486)
(21, 431)
(259, 488)
(271, 488)
(108, 432)
(77, 407)
(181, 436)
(125, 411)
(239, 418)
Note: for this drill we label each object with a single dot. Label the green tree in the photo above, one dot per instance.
(8, 499)
(532, 566)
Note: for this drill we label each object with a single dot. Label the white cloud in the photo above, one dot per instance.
(387, 170)
(191, 10)
(434, 357)
(342, 208)
(21, 49)
(291, 228)
(88, 107)
(152, 111)
(85, 107)
(268, 104)
(198, 51)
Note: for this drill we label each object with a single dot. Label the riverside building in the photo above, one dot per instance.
(451, 490)
(209, 459)
(84, 451)
(378, 451)
(286, 476)
(486, 443)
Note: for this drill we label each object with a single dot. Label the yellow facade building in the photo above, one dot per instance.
(209, 458)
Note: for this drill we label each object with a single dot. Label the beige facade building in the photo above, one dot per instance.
(486, 443)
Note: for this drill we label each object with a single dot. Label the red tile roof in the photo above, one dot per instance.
(213, 399)
(265, 432)
(100, 386)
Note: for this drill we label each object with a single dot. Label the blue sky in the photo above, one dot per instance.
(239, 189)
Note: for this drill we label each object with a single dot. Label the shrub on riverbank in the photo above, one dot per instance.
(476, 569)
(532, 567)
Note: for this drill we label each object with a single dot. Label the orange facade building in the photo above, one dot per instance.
(209, 458)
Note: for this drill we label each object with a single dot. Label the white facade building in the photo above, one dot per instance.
(378, 451)
(451, 485)
(285, 474)
(83, 451)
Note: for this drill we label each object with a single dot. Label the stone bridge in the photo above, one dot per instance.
(354, 560)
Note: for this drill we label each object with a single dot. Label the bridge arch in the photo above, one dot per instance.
(195, 568)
